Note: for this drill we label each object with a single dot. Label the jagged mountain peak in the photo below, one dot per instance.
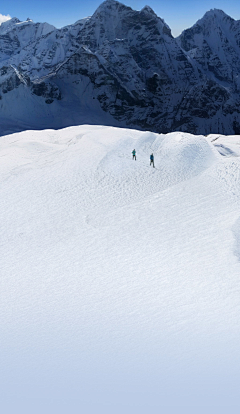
(116, 8)
(214, 18)
(148, 9)
(213, 42)
(211, 26)
(8, 25)
(111, 6)
(15, 24)
(13, 20)
(125, 63)
(109, 2)
(12, 24)
(113, 21)
(217, 14)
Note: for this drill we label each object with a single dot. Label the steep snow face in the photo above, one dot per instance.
(16, 35)
(120, 282)
(27, 30)
(129, 62)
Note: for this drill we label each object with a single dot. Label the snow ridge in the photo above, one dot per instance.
(119, 277)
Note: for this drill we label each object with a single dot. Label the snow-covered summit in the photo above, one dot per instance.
(113, 20)
(8, 25)
(214, 43)
(214, 21)
(216, 15)
(148, 9)
(14, 23)
(111, 7)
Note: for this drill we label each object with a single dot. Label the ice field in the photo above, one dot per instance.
(120, 283)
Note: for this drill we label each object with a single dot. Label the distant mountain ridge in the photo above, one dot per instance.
(121, 67)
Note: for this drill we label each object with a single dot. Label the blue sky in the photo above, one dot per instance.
(178, 14)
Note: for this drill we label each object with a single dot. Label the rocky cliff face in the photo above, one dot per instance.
(121, 67)
(213, 44)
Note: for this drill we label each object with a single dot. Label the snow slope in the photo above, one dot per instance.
(120, 283)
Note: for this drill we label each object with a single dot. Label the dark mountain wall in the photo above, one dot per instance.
(121, 67)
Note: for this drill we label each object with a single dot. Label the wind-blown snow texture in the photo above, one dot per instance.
(121, 67)
(120, 283)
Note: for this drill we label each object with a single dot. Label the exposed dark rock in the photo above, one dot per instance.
(128, 62)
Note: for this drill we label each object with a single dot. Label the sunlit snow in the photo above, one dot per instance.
(120, 283)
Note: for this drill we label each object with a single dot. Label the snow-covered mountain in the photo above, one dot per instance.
(121, 67)
(213, 42)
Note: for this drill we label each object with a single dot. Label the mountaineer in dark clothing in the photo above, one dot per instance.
(134, 154)
(152, 160)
